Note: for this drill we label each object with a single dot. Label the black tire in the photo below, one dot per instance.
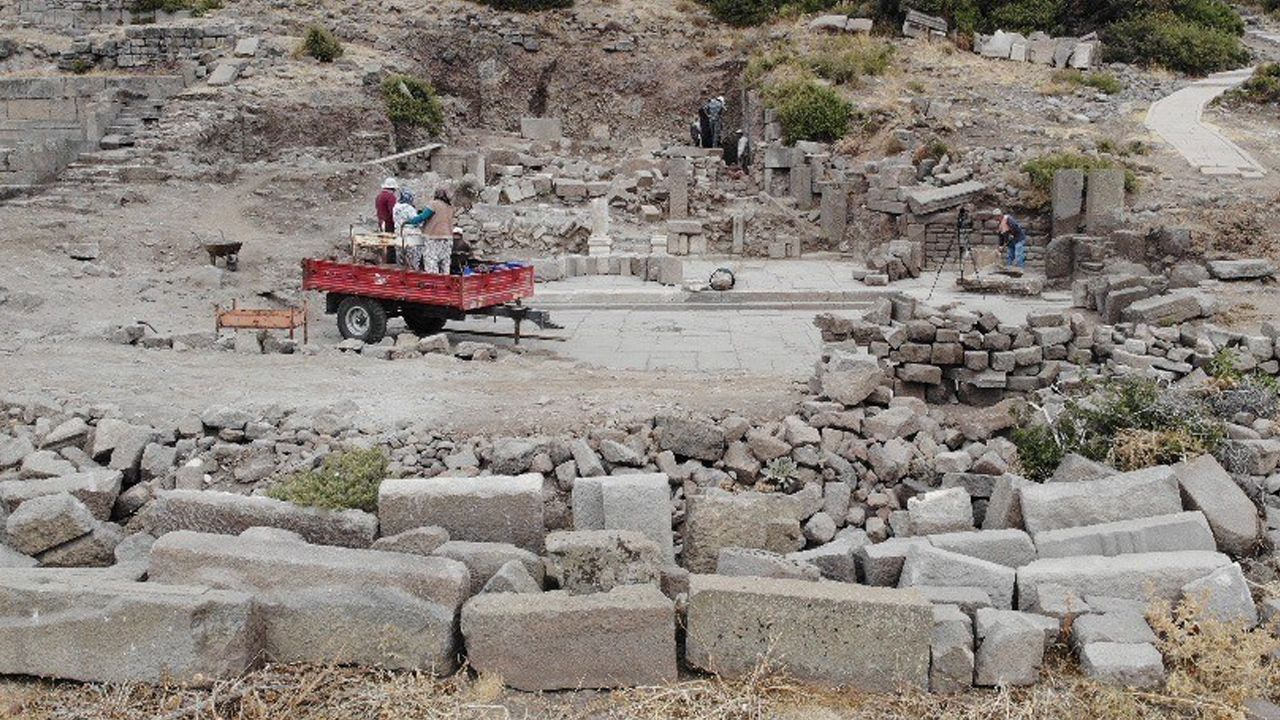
(421, 323)
(362, 319)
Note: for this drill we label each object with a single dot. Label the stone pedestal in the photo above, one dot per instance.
(1068, 199)
(678, 188)
(1104, 205)
(834, 212)
(739, 233)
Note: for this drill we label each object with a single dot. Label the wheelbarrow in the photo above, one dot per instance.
(228, 251)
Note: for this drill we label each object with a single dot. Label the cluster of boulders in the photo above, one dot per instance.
(570, 563)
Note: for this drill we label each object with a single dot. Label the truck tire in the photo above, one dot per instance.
(421, 323)
(362, 319)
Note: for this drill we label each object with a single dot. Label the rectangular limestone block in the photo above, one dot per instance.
(1140, 576)
(751, 520)
(557, 641)
(929, 566)
(329, 604)
(231, 514)
(626, 502)
(59, 624)
(1163, 533)
(495, 508)
(866, 638)
(1138, 494)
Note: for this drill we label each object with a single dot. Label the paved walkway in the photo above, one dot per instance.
(1177, 119)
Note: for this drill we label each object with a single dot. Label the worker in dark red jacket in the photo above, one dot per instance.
(386, 203)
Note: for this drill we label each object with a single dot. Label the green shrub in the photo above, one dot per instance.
(321, 44)
(412, 102)
(743, 13)
(809, 110)
(527, 5)
(1261, 89)
(843, 60)
(347, 480)
(1167, 40)
(1041, 169)
(1026, 16)
(1103, 82)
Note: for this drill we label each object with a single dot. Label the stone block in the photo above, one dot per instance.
(1142, 493)
(640, 502)
(1004, 509)
(48, 521)
(1077, 468)
(544, 129)
(481, 509)
(691, 437)
(1225, 596)
(881, 564)
(678, 188)
(1011, 548)
(951, 650)
(557, 641)
(1123, 626)
(418, 541)
(1232, 516)
(1010, 650)
(1130, 665)
(97, 489)
(230, 514)
(1104, 203)
(512, 577)
(1068, 201)
(224, 73)
(762, 521)
(483, 560)
(1163, 310)
(850, 379)
(1139, 576)
(941, 511)
(735, 623)
(926, 199)
(743, 562)
(836, 560)
(328, 604)
(587, 561)
(927, 565)
(57, 624)
(1162, 533)
(1248, 269)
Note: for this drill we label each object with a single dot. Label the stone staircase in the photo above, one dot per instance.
(122, 153)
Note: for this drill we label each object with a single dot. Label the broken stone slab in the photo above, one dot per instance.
(1232, 516)
(1004, 509)
(54, 624)
(1010, 648)
(1131, 665)
(46, 522)
(224, 73)
(44, 464)
(418, 541)
(836, 560)
(97, 489)
(951, 650)
(1224, 596)
(94, 549)
(968, 599)
(1078, 468)
(927, 565)
(1140, 576)
(1124, 626)
(881, 564)
(321, 603)
(715, 521)
(587, 561)
(544, 129)
(744, 562)
(1163, 533)
(735, 623)
(1248, 269)
(849, 379)
(483, 560)
(1163, 310)
(1011, 548)
(557, 641)
(231, 514)
(691, 438)
(925, 200)
(70, 432)
(481, 509)
(1138, 494)
(512, 577)
(640, 502)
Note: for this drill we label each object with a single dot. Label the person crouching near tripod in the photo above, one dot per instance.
(1014, 241)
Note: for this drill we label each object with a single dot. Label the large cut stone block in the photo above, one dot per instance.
(1139, 494)
(587, 561)
(1207, 487)
(1011, 548)
(484, 560)
(806, 628)
(626, 502)
(231, 514)
(1139, 576)
(329, 604)
(481, 509)
(940, 568)
(1104, 202)
(97, 489)
(557, 641)
(61, 624)
(45, 522)
(1164, 533)
(1133, 665)
(747, 520)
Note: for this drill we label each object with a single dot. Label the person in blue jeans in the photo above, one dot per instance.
(1014, 240)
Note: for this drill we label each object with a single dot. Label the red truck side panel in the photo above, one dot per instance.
(467, 292)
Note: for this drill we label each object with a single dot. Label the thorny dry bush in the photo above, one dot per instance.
(1213, 667)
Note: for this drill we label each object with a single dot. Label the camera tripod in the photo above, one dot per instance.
(961, 241)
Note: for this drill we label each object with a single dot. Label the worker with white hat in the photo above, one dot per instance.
(386, 203)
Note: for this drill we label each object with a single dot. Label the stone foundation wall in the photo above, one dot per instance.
(143, 46)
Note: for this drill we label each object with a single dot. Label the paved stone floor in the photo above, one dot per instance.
(1177, 119)
(764, 326)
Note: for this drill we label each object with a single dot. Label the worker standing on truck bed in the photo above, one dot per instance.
(385, 204)
(436, 221)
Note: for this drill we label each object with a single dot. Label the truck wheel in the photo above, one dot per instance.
(362, 319)
(421, 323)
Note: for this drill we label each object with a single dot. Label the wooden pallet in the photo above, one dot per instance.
(238, 318)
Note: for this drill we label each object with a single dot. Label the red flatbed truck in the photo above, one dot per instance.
(365, 296)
